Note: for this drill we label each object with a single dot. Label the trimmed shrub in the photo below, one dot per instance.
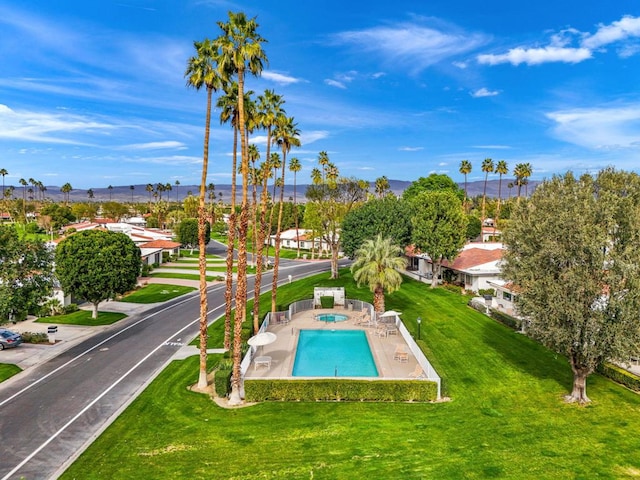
(339, 389)
(33, 337)
(620, 375)
(71, 308)
(452, 288)
(326, 302)
(505, 319)
(222, 382)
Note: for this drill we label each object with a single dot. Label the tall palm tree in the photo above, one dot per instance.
(110, 188)
(90, 194)
(3, 172)
(254, 180)
(382, 186)
(323, 160)
(487, 167)
(522, 172)
(501, 169)
(295, 166)
(202, 72)
(228, 104)
(149, 189)
(24, 184)
(465, 169)
(132, 188)
(286, 135)
(376, 264)
(177, 186)
(241, 52)
(66, 190)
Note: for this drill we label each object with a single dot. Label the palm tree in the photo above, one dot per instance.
(254, 180)
(510, 186)
(3, 172)
(382, 186)
(66, 190)
(295, 166)
(201, 72)
(241, 51)
(465, 169)
(286, 136)
(487, 168)
(265, 172)
(132, 188)
(377, 263)
(316, 176)
(501, 169)
(323, 160)
(110, 188)
(522, 172)
(24, 184)
(177, 185)
(149, 189)
(90, 193)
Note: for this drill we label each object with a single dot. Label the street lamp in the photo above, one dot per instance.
(419, 322)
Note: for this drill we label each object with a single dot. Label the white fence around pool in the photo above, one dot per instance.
(355, 305)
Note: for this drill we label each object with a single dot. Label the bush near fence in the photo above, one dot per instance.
(505, 319)
(339, 389)
(620, 375)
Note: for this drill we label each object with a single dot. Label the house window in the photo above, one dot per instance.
(507, 296)
(468, 280)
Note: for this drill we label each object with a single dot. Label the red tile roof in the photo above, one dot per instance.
(473, 257)
(165, 244)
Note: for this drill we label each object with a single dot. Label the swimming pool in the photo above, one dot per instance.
(333, 353)
(331, 317)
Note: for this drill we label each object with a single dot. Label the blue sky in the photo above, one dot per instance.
(93, 92)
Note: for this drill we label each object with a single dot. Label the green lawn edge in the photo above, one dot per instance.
(83, 317)
(156, 292)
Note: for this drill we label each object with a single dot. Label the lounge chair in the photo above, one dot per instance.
(264, 361)
(382, 331)
(401, 354)
(418, 373)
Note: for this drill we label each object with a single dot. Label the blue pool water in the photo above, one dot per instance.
(329, 353)
(331, 317)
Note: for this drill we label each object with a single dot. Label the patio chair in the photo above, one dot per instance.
(263, 361)
(382, 331)
(401, 354)
(418, 373)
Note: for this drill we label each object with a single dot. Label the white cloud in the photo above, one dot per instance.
(410, 149)
(600, 128)
(484, 92)
(313, 136)
(460, 65)
(168, 160)
(46, 127)
(155, 145)
(537, 56)
(413, 45)
(622, 29)
(280, 78)
(335, 83)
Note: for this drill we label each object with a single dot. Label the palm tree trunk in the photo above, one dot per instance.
(259, 251)
(241, 288)
(202, 258)
(276, 262)
(231, 233)
(295, 213)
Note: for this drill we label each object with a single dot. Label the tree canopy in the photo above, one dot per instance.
(389, 215)
(436, 182)
(573, 252)
(26, 277)
(439, 227)
(96, 265)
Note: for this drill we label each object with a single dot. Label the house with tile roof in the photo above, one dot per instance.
(477, 264)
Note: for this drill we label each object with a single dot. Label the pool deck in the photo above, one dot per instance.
(282, 351)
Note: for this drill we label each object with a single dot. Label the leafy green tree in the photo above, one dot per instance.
(474, 227)
(573, 252)
(114, 210)
(96, 265)
(439, 227)
(435, 182)
(188, 233)
(26, 277)
(60, 215)
(376, 265)
(334, 199)
(389, 215)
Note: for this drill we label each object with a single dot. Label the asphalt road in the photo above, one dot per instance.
(53, 411)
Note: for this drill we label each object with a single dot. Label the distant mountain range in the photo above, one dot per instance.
(139, 193)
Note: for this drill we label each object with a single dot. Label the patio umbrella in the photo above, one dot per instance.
(390, 313)
(261, 339)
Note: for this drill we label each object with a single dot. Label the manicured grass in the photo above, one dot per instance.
(190, 266)
(184, 276)
(8, 370)
(506, 417)
(156, 292)
(195, 254)
(83, 317)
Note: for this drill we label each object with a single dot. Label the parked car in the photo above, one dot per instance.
(9, 339)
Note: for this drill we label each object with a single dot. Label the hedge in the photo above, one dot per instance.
(326, 302)
(222, 382)
(505, 319)
(340, 389)
(620, 375)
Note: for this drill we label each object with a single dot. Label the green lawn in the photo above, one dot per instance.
(156, 292)
(8, 370)
(83, 317)
(185, 276)
(187, 254)
(190, 266)
(506, 417)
